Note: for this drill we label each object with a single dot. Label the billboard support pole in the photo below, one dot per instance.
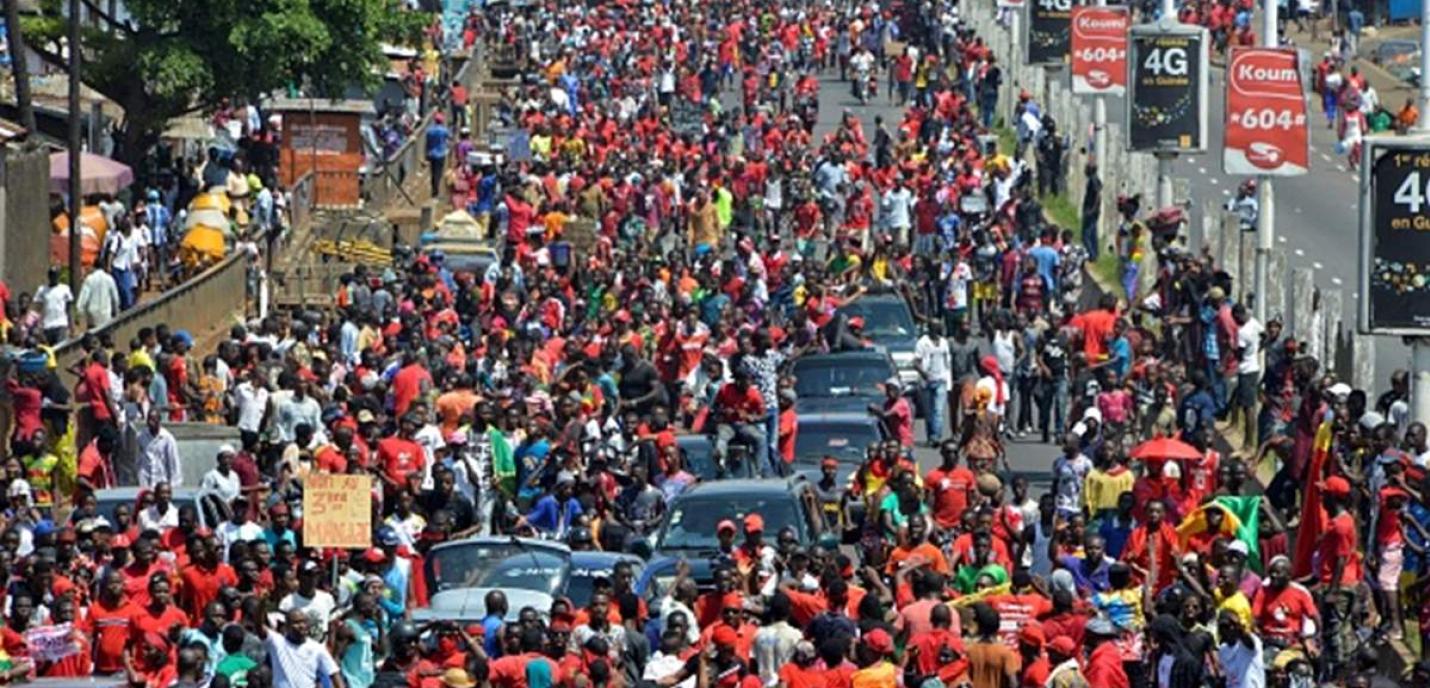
(1266, 205)
(1099, 124)
(1166, 160)
(1419, 346)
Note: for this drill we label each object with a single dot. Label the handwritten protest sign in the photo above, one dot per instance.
(337, 511)
(51, 643)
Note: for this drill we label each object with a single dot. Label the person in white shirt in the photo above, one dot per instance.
(53, 301)
(1240, 653)
(159, 460)
(296, 659)
(98, 300)
(122, 246)
(251, 397)
(1249, 334)
(317, 603)
(162, 514)
(223, 480)
(238, 528)
(935, 365)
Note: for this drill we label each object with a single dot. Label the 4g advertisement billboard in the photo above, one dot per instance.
(1167, 107)
(1266, 129)
(1099, 50)
(1395, 237)
(1049, 31)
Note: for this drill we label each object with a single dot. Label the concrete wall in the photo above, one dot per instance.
(24, 217)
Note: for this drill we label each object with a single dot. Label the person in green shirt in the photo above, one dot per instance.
(967, 576)
(235, 665)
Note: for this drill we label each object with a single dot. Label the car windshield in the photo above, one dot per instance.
(885, 320)
(581, 584)
(495, 565)
(843, 441)
(699, 457)
(841, 378)
(691, 524)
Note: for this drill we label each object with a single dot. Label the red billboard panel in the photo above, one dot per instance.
(1099, 50)
(1266, 130)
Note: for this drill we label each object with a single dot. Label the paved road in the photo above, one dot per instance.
(1025, 456)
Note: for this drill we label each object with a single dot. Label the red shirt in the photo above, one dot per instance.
(199, 586)
(93, 467)
(110, 628)
(901, 420)
(1281, 614)
(80, 663)
(739, 405)
(26, 402)
(146, 621)
(951, 490)
(1015, 611)
(136, 580)
(1035, 673)
(95, 389)
(1104, 668)
(399, 458)
(1339, 540)
(407, 385)
(934, 648)
(794, 676)
(1096, 327)
(789, 431)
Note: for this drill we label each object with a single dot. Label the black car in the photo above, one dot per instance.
(889, 323)
(688, 529)
(844, 436)
(498, 562)
(847, 381)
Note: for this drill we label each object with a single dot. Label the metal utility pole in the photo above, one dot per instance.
(1266, 204)
(1165, 160)
(1420, 346)
(1099, 125)
(21, 71)
(76, 201)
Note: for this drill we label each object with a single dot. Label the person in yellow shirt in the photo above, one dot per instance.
(1104, 484)
(1227, 595)
(875, 669)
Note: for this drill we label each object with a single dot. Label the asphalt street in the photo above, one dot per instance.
(1027, 456)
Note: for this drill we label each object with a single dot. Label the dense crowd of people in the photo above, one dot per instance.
(544, 397)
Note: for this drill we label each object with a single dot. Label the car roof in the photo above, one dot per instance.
(741, 486)
(844, 356)
(508, 541)
(835, 417)
(879, 296)
(595, 559)
(131, 493)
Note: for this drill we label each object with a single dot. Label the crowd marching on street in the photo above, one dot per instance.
(1214, 509)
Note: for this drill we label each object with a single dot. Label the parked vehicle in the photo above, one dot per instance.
(848, 381)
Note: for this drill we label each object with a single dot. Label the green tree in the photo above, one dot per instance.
(176, 57)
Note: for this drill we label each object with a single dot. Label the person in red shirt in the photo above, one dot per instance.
(1282, 608)
(410, 382)
(1338, 550)
(939, 651)
(95, 470)
(801, 670)
(1104, 664)
(742, 412)
(139, 574)
(1156, 533)
(401, 456)
(201, 580)
(109, 622)
(896, 413)
(159, 616)
(1036, 666)
(788, 428)
(80, 661)
(950, 487)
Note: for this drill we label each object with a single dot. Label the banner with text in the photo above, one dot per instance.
(1099, 50)
(1167, 99)
(337, 511)
(1266, 130)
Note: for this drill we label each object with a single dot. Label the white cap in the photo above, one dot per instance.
(226, 449)
(1340, 389)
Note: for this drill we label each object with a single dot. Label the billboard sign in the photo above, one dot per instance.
(1395, 237)
(1049, 31)
(1098, 37)
(1266, 128)
(1167, 79)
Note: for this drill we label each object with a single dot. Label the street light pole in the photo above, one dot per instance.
(1419, 346)
(1266, 215)
(1166, 160)
(76, 202)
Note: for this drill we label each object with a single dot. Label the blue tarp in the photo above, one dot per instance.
(1404, 10)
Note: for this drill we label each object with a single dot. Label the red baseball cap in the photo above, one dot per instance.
(725, 525)
(754, 523)
(879, 641)
(1062, 646)
(1336, 486)
(724, 636)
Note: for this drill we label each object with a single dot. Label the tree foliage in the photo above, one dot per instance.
(173, 57)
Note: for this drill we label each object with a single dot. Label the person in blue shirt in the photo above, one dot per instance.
(496, 607)
(437, 142)
(554, 513)
(1119, 351)
(1048, 260)
(1198, 409)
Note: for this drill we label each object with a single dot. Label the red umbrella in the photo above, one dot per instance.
(1165, 448)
